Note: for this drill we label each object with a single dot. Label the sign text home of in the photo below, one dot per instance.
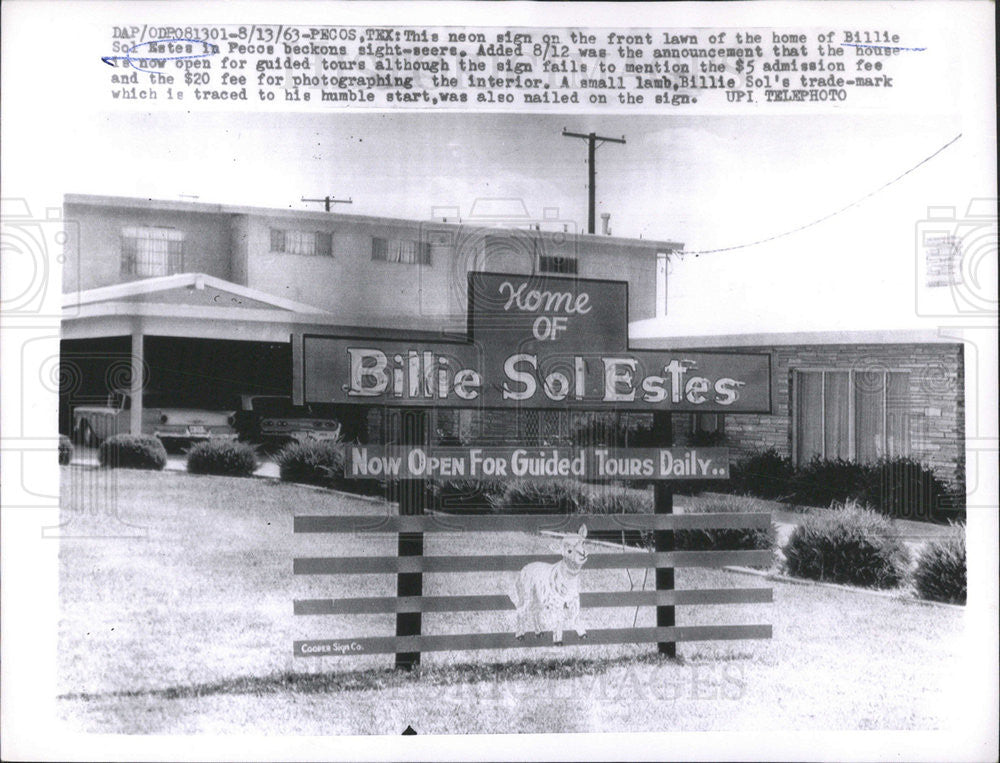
(533, 342)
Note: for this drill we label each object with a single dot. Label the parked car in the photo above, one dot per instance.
(273, 422)
(175, 425)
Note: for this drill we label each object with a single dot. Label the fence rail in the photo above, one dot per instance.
(410, 564)
(371, 605)
(358, 565)
(463, 641)
(527, 522)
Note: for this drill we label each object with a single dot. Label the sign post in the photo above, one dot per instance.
(533, 343)
(412, 495)
(663, 540)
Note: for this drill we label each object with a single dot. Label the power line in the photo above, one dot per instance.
(832, 214)
(328, 200)
(592, 145)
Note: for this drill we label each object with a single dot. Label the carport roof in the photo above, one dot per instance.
(194, 305)
(187, 289)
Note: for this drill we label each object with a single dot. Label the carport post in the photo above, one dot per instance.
(663, 540)
(135, 389)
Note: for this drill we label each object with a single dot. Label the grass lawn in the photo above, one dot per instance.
(190, 629)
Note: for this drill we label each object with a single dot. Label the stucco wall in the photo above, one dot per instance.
(360, 290)
(94, 245)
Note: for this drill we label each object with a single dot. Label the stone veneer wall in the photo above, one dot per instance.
(936, 395)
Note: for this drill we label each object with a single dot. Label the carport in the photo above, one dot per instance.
(196, 338)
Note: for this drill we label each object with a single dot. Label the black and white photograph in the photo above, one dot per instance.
(499, 381)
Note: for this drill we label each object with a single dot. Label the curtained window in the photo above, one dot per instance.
(312, 243)
(402, 251)
(859, 415)
(150, 252)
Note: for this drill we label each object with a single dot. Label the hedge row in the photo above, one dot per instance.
(900, 487)
(849, 544)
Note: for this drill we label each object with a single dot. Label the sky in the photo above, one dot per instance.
(706, 181)
(709, 182)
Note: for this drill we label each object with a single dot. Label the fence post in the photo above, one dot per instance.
(413, 431)
(663, 540)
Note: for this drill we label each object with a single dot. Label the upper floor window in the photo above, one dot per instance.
(313, 243)
(552, 264)
(403, 251)
(149, 251)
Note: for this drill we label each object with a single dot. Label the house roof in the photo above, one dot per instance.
(786, 338)
(485, 221)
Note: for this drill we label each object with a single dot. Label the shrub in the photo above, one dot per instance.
(702, 439)
(314, 463)
(459, 495)
(322, 463)
(941, 571)
(728, 539)
(612, 499)
(223, 457)
(616, 499)
(848, 544)
(905, 488)
(545, 497)
(132, 452)
(834, 480)
(765, 474)
(65, 450)
(897, 487)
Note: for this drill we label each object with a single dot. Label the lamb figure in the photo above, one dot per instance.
(552, 590)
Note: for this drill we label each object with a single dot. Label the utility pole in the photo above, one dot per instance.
(592, 144)
(328, 200)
